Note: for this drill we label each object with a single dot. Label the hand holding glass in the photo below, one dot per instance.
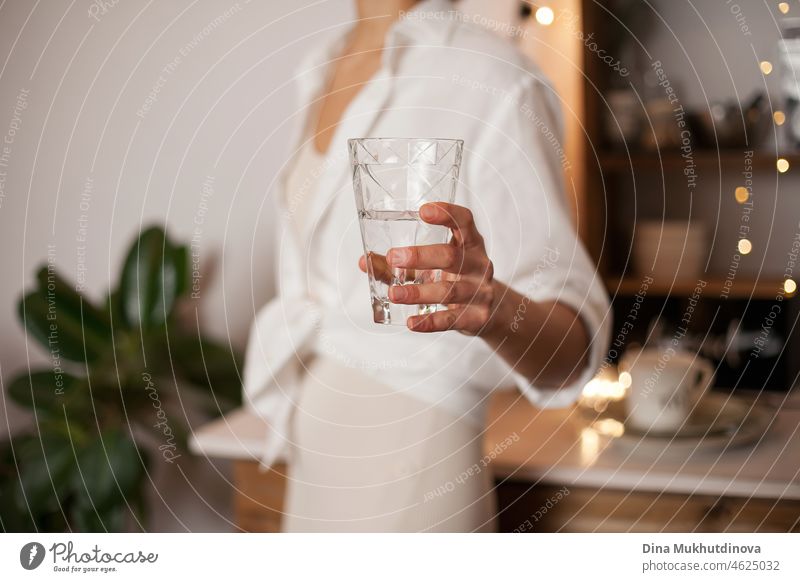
(392, 179)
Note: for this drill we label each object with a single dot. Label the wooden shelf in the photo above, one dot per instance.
(741, 288)
(620, 161)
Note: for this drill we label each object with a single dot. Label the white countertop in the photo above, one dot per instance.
(237, 435)
(557, 447)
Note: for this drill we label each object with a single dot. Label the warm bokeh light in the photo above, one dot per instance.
(545, 16)
(782, 165)
(745, 246)
(600, 388)
(766, 67)
(625, 380)
(741, 194)
(609, 427)
(789, 286)
(783, 7)
(779, 117)
(590, 446)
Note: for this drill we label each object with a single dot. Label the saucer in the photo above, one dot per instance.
(718, 420)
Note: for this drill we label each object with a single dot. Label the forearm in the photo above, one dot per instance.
(546, 342)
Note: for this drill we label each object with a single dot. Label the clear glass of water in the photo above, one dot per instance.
(392, 178)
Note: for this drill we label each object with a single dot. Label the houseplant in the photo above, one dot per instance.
(113, 395)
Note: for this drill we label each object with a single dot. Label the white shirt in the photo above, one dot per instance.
(301, 183)
(440, 77)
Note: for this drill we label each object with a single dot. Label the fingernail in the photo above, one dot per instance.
(427, 211)
(398, 257)
(398, 293)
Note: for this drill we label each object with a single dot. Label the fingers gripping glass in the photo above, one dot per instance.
(392, 178)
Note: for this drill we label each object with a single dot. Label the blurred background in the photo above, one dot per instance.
(682, 129)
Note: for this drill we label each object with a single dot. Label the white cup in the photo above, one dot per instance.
(666, 384)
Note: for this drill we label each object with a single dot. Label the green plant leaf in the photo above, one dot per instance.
(14, 517)
(180, 258)
(209, 365)
(45, 391)
(45, 465)
(95, 321)
(149, 282)
(113, 306)
(58, 331)
(110, 471)
(90, 519)
(11, 518)
(72, 476)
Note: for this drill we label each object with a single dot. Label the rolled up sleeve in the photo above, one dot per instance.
(515, 188)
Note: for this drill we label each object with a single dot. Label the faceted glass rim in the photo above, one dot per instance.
(363, 144)
(443, 140)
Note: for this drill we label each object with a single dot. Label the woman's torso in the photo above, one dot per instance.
(419, 91)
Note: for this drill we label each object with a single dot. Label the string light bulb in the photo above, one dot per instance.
(783, 165)
(779, 117)
(744, 246)
(741, 194)
(766, 67)
(783, 7)
(789, 286)
(545, 15)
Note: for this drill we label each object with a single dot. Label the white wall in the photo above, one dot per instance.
(218, 113)
(84, 74)
(711, 48)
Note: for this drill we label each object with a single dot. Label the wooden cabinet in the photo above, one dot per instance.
(527, 508)
(523, 507)
(258, 496)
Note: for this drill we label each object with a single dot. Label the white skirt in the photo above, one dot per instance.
(366, 458)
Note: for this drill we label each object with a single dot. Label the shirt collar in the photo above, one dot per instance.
(428, 22)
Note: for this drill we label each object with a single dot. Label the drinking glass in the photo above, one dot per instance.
(392, 178)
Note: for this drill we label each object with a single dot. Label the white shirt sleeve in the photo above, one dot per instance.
(514, 185)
